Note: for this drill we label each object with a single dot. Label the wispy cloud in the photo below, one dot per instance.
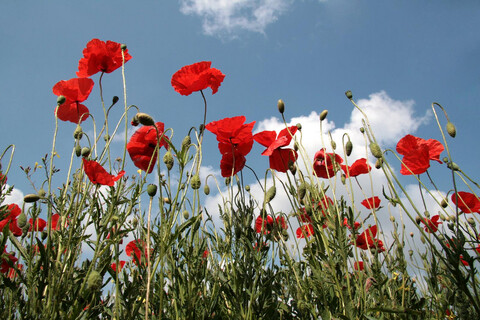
(226, 17)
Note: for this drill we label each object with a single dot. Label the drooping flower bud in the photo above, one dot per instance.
(376, 151)
(85, 152)
(22, 220)
(123, 47)
(115, 100)
(323, 115)
(94, 281)
(471, 221)
(106, 137)
(452, 131)
(334, 145)
(195, 183)
(292, 167)
(270, 194)
(41, 192)
(379, 163)
(206, 190)
(152, 190)
(61, 100)
(247, 188)
(281, 106)
(418, 219)
(29, 198)
(186, 214)
(78, 133)
(343, 179)
(349, 94)
(145, 119)
(78, 150)
(453, 166)
(186, 142)
(299, 126)
(168, 160)
(134, 121)
(348, 148)
(444, 203)
(302, 190)
(362, 130)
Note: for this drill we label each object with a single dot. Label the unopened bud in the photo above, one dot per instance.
(206, 190)
(302, 190)
(452, 131)
(349, 94)
(343, 179)
(31, 198)
(115, 100)
(418, 219)
(348, 148)
(186, 142)
(78, 150)
(270, 194)
(134, 121)
(362, 129)
(227, 181)
(444, 203)
(445, 159)
(471, 221)
(453, 166)
(299, 126)
(392, 218)
(281, 106)
(41, 192)
(152, 190)
(145, 119)
(22, 220)
(134, 222)
(61, 100)
(85, 152)
(451, 226)
(195, 183)
(379, 163)
(106, 137)
(376, 151)
(186, 214)
(334, 145)
(292, 167)
(247, 188)
(422, 238)
(166, 200)
(94, 281)
(427, 214)
(77, 134)
(411, 234)
(123, 47)
(323, 115)
(295, 146)
(168, 160)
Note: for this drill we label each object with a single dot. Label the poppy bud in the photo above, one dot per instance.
(41, 192)
(411, 235)
(60, 100)
(302, 190)
(134, 121)
(349, 94)
(186, 214)
(418, 219)
(470, 221)
(167, 200)
(295, 146)
(201, 128)
(152, 190)
(334, 145)
(206, 190)
(78, 150)
(106, 137)
(195, 183)
(247, 188)
(299, 126)
(123, 47)
(281, 106)
(292, 167)
(392, 218)
(22, 221)
(444, 203)
(94, 281)
(427, 214)
(422, 238)
(323, 115)
(115, 100)
(452, 131)
(376, 151)
(451, 226)
(270, 194)
(227, 181)
(168, 160)
(186, 142)
(343, 178)
(77, 134)
(31, 198)
(134, 222)
(85, 152)
(145, 119)
(445, 159)
(379, 163)
(362, 130)
(348, 148)
(453, 166)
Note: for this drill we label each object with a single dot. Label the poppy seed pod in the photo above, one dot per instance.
(270, 194)
(61, 100)
(206, 190)
(376, 151)
(145, 119)
(168, 160)
(195, 183)
(152, 190)
(94, 281)
(348, 148)
(452, 131)
(323, 115)
(349, 94)
(281, 106)
(31, 198)
(85, 152)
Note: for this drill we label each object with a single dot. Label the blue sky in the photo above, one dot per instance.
(395, 55)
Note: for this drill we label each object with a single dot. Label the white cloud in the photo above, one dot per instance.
(225, 17)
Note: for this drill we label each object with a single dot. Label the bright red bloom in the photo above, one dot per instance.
(98, 175)
(12, 212)
(231, 164)
(101, 56)
(278, 157)
(142, 144)
(305, 231)
(468, 202)
(359, 265)
(356, 224)
(357, 168)
(417, 153)
(367, 240)
(264, 224)
(40, 224)
(233, 135)
(371, 203)
(12, 273)
(6, 261)
(114, 266)
(196, 77)
(325, 164)
(431, 225)
(75, 90)
(138, 248)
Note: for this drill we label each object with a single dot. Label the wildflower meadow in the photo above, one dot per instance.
(129, 234)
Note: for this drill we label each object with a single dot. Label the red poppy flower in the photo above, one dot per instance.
(323, 205)
(40, 224)
(114, 266)
(359, 265)
(12, 273)
(305, 217)
(196, 77)
(142, 144)
(417, 154)
(371, 203)
(357, 168)
(356, 224)
(431, 225)
(278, 157)
(101, 56)
(231, 164)
(7, 260)
(55, 222)
(10, 218)
(325, 164)
(233, 135)
(264, 224)
(75, 90)
(367, 240)
(468, 202)
(138, 248)
(305, 231)
(98, 175)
